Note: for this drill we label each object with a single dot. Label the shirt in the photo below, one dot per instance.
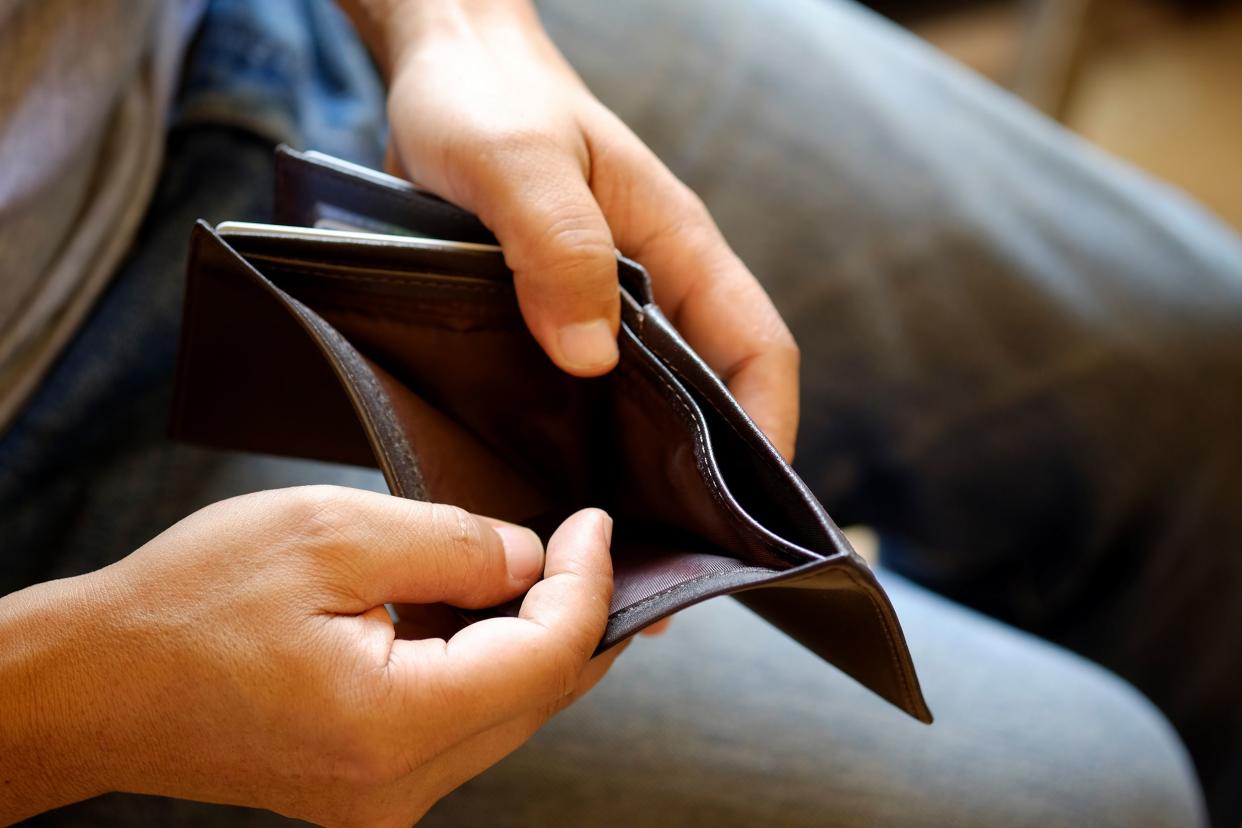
(84, 95)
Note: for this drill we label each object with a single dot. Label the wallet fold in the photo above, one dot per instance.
(361, 343)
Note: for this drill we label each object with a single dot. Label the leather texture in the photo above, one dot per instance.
(418, 361)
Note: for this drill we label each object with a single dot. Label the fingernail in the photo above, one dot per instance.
(523, 552)
(588, 346)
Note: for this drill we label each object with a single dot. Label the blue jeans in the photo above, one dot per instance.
(1004, 372)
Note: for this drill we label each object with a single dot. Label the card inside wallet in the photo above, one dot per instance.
(412, 355)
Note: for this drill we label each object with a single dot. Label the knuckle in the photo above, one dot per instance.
(686, 225)
(313, 502)
(461, 539)
(550, 709)
(773, 339)
(569, 260)
(577, 238)
(459, 529)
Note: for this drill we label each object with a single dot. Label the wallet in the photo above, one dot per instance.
(375, 324)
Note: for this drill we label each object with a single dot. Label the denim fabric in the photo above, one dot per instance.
(1022, 360)
(288, 70)
(258, 73)
(972, 289)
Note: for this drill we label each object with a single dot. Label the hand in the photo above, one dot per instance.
(485, 112)
(245, 656)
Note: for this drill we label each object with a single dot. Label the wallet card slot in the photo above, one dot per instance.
(743, 454)
(647, 390)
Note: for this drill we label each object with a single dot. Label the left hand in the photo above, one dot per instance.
(485, 112)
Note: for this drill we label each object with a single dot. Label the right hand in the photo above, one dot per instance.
(245, 656)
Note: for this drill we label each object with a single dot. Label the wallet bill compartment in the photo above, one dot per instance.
(640, 416)
(408, 322)
(310, 388)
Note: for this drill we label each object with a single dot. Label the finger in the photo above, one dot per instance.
(475, 754)
(499, 668)
(559, 247)
(708, 293)
(374, 549)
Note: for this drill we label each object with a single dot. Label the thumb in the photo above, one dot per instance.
(501, 667)
(558, 245)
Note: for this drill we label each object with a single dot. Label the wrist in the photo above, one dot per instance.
(391, 28)
(47, 755)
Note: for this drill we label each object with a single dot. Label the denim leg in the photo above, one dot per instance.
(1022, 359)
(724, 721)
(91, 443)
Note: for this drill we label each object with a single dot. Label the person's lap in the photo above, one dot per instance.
(723, 717)
(1022, 361)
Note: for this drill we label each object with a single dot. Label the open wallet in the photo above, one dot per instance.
(375, 324)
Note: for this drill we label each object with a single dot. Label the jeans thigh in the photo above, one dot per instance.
(1022, 359)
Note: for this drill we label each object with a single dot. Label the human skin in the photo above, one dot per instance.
(485, 112)
(258, 666)
(245, 656)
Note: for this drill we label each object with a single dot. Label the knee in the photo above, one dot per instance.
(1028, 733)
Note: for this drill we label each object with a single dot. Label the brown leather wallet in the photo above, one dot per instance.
(378, 325)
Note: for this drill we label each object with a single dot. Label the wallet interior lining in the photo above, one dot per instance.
(645, 425)
(382, 331)
(454, 301)
(635, 433)
(439, 306)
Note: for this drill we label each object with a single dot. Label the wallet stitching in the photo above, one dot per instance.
(366, 404)
(713, 485)
(743, 435)
(894, 657)
(643, 602)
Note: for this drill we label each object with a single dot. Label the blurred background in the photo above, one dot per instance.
(1157, 82)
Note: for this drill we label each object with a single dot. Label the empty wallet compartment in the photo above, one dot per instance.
(412, 355)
